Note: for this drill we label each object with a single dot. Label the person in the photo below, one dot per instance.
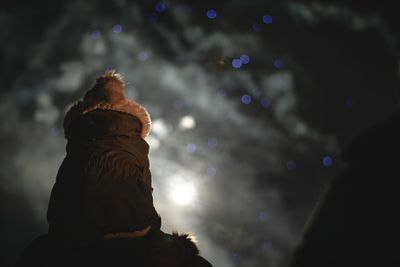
(356, 222)
(101, 210)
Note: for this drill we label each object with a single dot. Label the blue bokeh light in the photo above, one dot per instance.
(327, 161)
(246, 99)
(212, 142)
(211, 171)
(96, 34)
(263, 216)
(211, 14)
(245, 59)
(291, 165)
(191, 148)
(236, 63)
(278, 63)
(265, 102)
(256, 27)
(161, 7)
(117, 28)
(267, 19)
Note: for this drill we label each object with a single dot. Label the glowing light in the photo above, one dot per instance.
(142, 56)
(117, 28)
(267, 19)
(236, 63)
(211, 14)
(278, 63)
(246, 99)
(96, 34)
(244, 59)
(256, 27)
(265, 102)
(191, 148)
(212, 142)
(327, 161)
(211, 171)
(187, 122)
(161, 7)
(182, 192)
(291, 165)
(159, 128)
(263, 216)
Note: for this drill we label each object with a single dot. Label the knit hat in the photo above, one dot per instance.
(108, 94)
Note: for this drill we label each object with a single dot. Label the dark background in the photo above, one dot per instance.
(262, 140)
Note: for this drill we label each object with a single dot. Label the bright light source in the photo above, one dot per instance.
(182, 192)
(159, 128)
(187, 122)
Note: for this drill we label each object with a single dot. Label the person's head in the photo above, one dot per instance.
(108, 87)
(108, 93)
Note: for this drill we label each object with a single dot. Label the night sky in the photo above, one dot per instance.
(252, 104)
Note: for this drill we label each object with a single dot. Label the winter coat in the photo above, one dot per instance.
(104, 183)
(103, 186)
(356, 222)
(153, 250)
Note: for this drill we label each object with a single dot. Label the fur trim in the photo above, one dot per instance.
(187, 242)
(125, 106)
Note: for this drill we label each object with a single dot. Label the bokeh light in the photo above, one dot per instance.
(187, 122)
(267, 19)
(117, 28)
(236, 63)
(327, 161)
(191, 148)
(182, 192)
(211, 14)
(245, 59)
(246, 99)
(278, 63)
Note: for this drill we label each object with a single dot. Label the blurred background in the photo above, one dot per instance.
(252, 103)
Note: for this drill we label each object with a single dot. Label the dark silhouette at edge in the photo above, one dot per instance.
(356, 222)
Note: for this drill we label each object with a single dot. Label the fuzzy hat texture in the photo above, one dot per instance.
(108, 94)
